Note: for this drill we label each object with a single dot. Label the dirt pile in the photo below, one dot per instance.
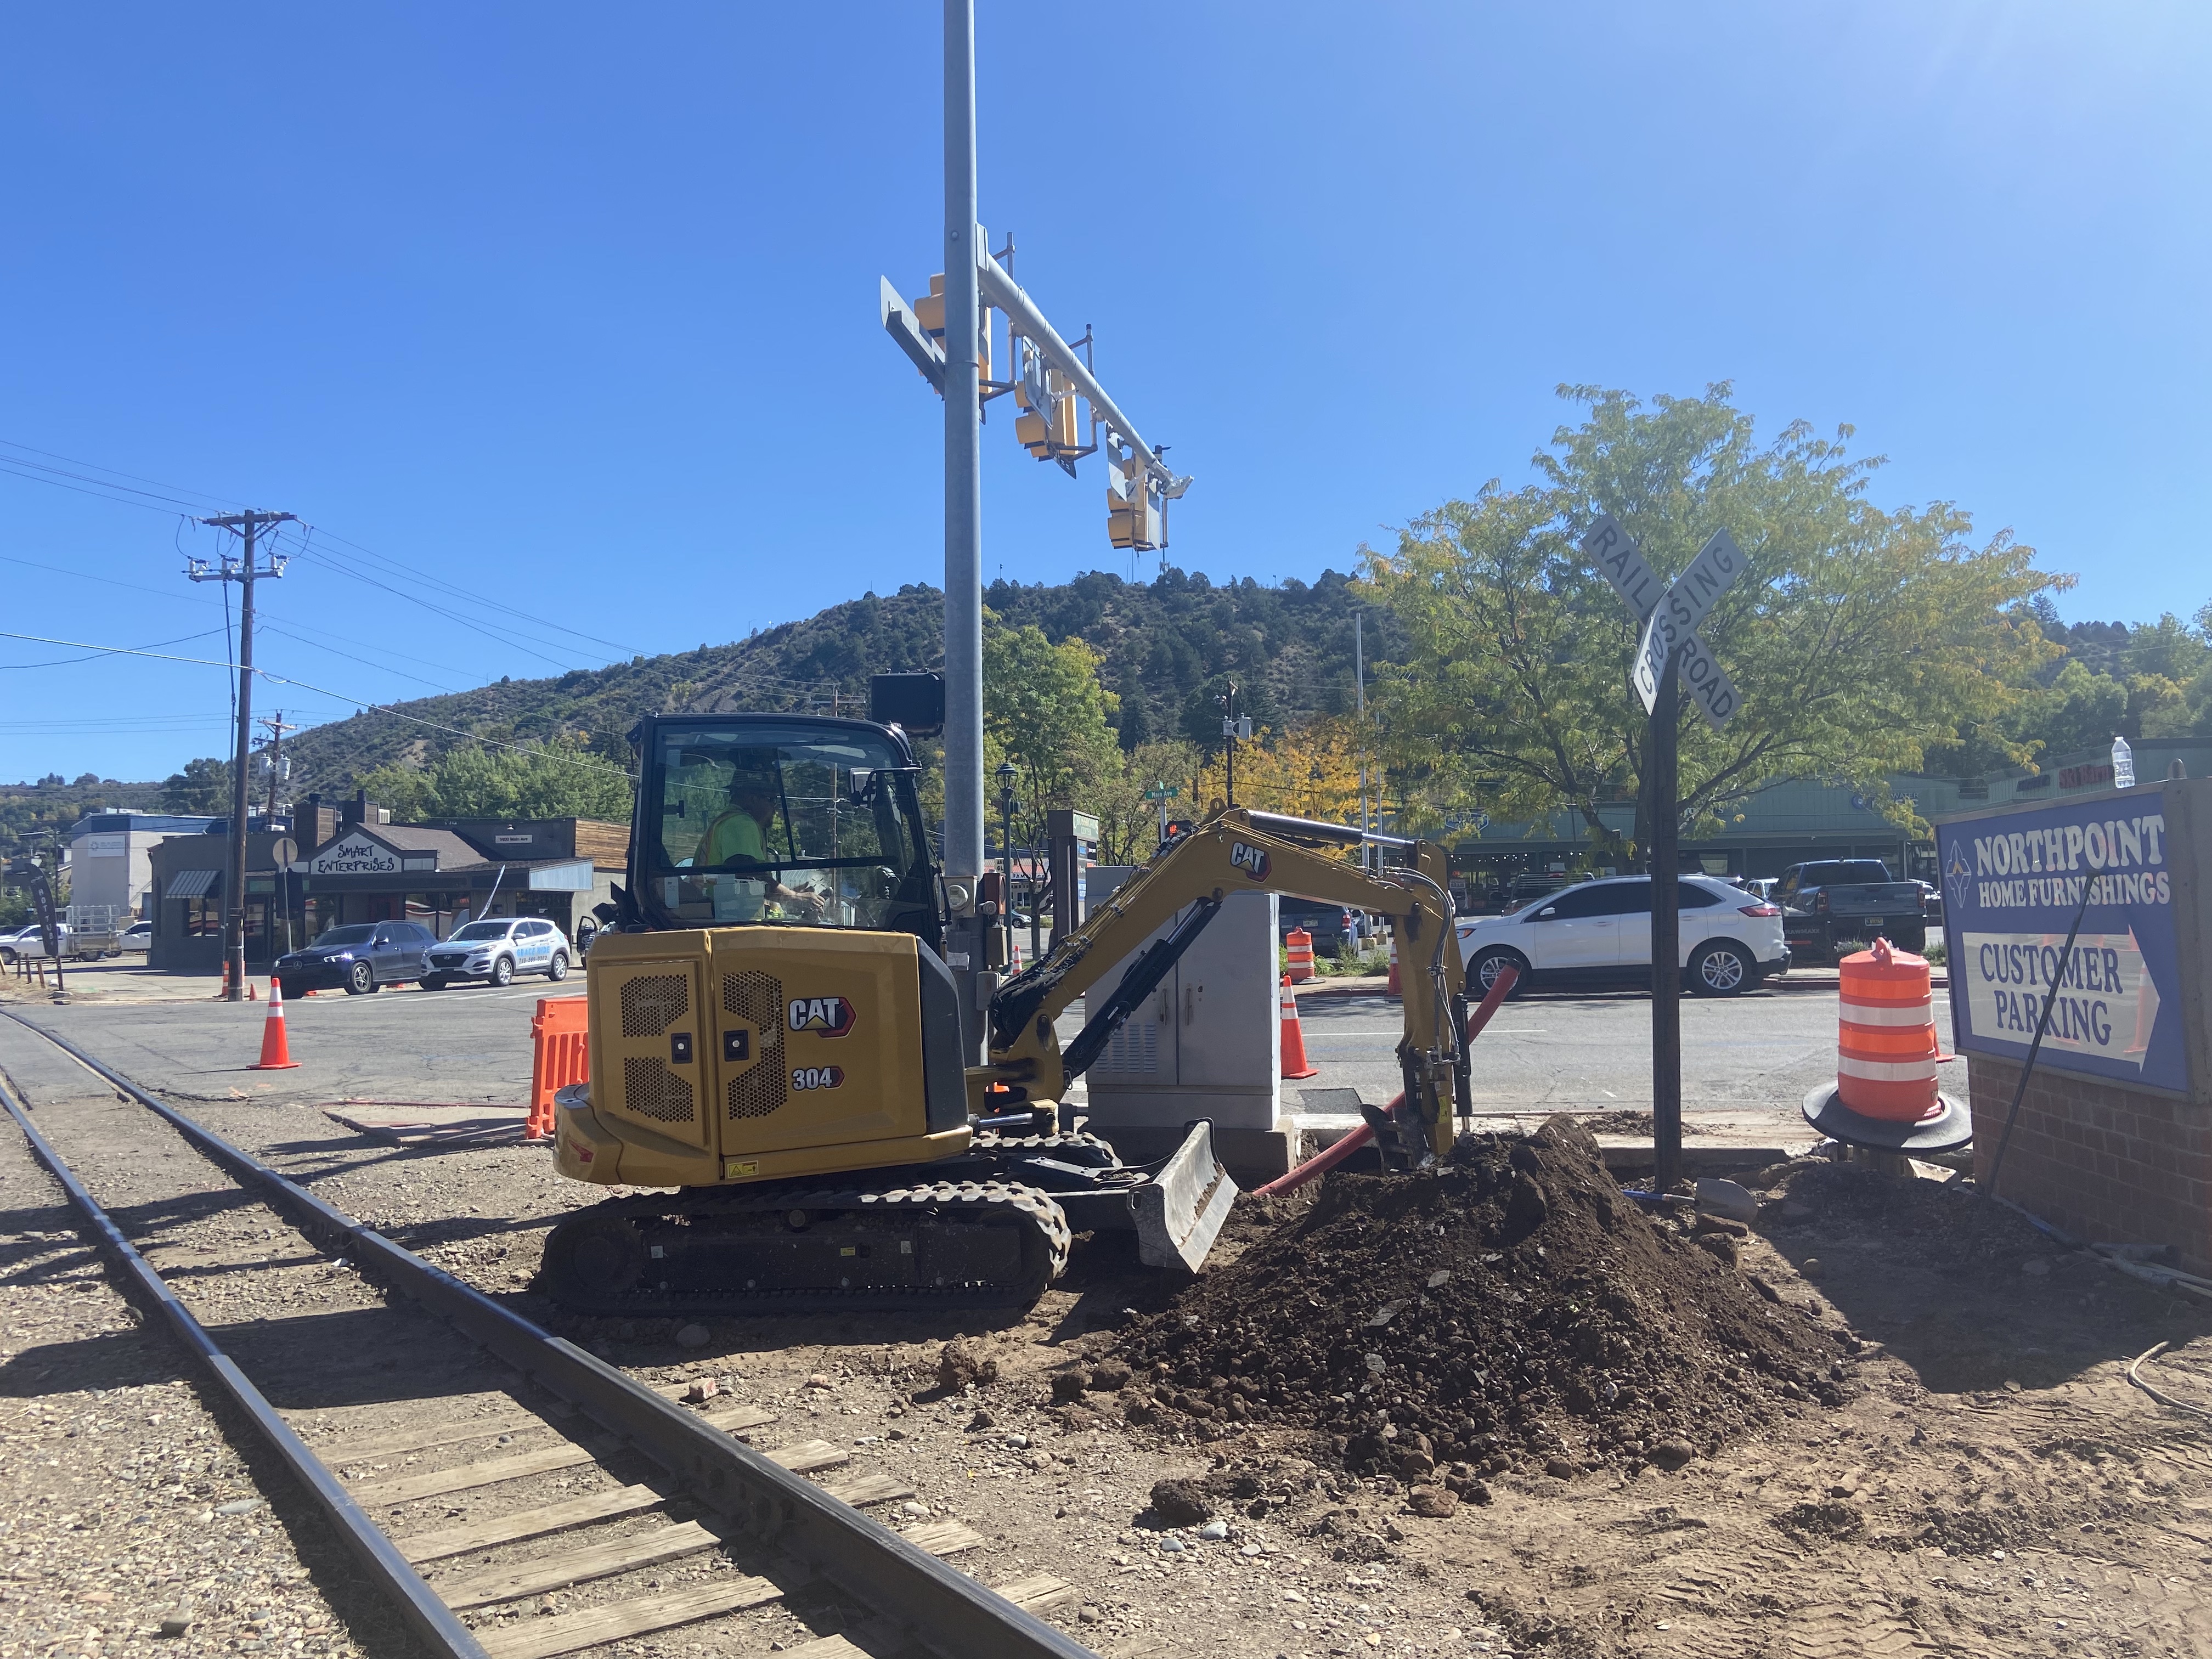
(1510, 1310)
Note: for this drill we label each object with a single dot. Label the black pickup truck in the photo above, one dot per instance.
(1837, 899)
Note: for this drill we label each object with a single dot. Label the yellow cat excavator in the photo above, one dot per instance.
(774, 1037)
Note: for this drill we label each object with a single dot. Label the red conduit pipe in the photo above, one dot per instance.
(1329, 1156)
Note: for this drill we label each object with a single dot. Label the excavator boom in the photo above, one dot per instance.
(1185, 884)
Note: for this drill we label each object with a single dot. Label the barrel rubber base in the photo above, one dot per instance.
(1949, 1130)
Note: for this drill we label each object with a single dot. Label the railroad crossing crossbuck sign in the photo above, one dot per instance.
(1671, 617)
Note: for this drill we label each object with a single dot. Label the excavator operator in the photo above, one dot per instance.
(739, 837)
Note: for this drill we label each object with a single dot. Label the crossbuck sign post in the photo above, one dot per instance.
(1669, 656)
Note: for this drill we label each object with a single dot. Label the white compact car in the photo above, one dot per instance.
(1600, 931)
(496, 950)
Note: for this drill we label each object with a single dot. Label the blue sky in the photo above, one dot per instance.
(574, 308)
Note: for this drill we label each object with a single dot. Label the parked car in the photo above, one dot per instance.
(1330, 925)
(138, 937)
(1932, 904)
(1600, 931)
(1834, 899)
(363, 956)
(31, 942)
(494, 951)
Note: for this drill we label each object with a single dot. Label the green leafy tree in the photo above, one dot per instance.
(1858, 636)
(202, 786)
(1045, 711)
(558, 779)
(1129, 824)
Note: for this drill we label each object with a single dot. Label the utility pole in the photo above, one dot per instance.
(1359, 685)
(244, 571)
(963, 523)
(275, 725)
(1232, 728)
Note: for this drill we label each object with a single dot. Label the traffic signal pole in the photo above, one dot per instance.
(962, 861)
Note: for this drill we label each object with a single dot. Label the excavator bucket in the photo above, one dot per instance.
(1181, 1210)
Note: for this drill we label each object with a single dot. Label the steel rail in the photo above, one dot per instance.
(936, 1606)
(428, 1617)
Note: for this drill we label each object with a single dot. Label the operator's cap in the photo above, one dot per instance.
(753, 768)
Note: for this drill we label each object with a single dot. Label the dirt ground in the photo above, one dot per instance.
(1989, 1484)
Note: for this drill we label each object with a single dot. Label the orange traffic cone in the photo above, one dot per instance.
(275, 1052)
(1295, 1063)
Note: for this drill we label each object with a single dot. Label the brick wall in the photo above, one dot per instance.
(2101, 1161)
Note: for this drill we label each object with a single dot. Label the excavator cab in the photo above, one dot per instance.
(764, 821)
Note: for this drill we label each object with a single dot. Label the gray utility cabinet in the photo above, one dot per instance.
(1207, 1042)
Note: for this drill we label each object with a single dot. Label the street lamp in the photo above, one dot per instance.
(1007, 802)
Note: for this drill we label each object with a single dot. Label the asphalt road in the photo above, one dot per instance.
(1747, 1061)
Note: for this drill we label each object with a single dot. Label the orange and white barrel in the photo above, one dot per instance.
(1885, 1049)
(1297, 955)
(1396, 989)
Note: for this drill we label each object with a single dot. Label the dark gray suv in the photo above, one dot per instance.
(363, 956)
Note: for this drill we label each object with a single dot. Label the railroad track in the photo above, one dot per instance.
(532, 1467)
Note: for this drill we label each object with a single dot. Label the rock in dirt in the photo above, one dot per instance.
(1673, 1454)
(1566, 1323)
(1180, 1503)
(1434, 1501)
(963, 1361)
(694, 1336)
(1720, 1246)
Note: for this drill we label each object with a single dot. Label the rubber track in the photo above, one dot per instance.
(974, 1197)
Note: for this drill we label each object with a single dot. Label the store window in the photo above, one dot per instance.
(203, 918)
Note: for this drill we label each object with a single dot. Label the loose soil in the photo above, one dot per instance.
(1509, 1309)
(1991, 1485)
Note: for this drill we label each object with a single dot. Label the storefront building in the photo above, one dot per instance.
(412, 873)
(110, 857)
(190, 876)
(557, 869)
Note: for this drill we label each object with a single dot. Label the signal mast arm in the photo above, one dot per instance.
(1237, 850)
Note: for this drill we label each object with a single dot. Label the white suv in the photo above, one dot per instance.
(497, 950)
(1601, 930)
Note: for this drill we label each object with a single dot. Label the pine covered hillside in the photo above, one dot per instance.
(1167, 647)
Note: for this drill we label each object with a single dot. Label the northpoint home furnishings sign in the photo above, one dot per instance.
(2011, 884)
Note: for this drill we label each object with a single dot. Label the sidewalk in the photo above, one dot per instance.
(121, 980)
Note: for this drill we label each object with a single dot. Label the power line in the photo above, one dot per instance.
(361, 703)
(194, 500)
(59, 662)
(11, 443)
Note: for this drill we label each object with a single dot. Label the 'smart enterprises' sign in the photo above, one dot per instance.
(2011, 884)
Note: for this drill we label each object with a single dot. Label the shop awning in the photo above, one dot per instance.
(191, 884)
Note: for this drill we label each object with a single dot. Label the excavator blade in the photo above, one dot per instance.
(1180, 1211)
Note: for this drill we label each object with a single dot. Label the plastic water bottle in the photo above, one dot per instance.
(2124, 764)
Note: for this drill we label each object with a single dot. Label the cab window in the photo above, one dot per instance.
(804, 825)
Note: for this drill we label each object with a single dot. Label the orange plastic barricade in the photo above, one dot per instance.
(1295, 1063)
(1297, 955)
(1886, 1050)
(561, 1036)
